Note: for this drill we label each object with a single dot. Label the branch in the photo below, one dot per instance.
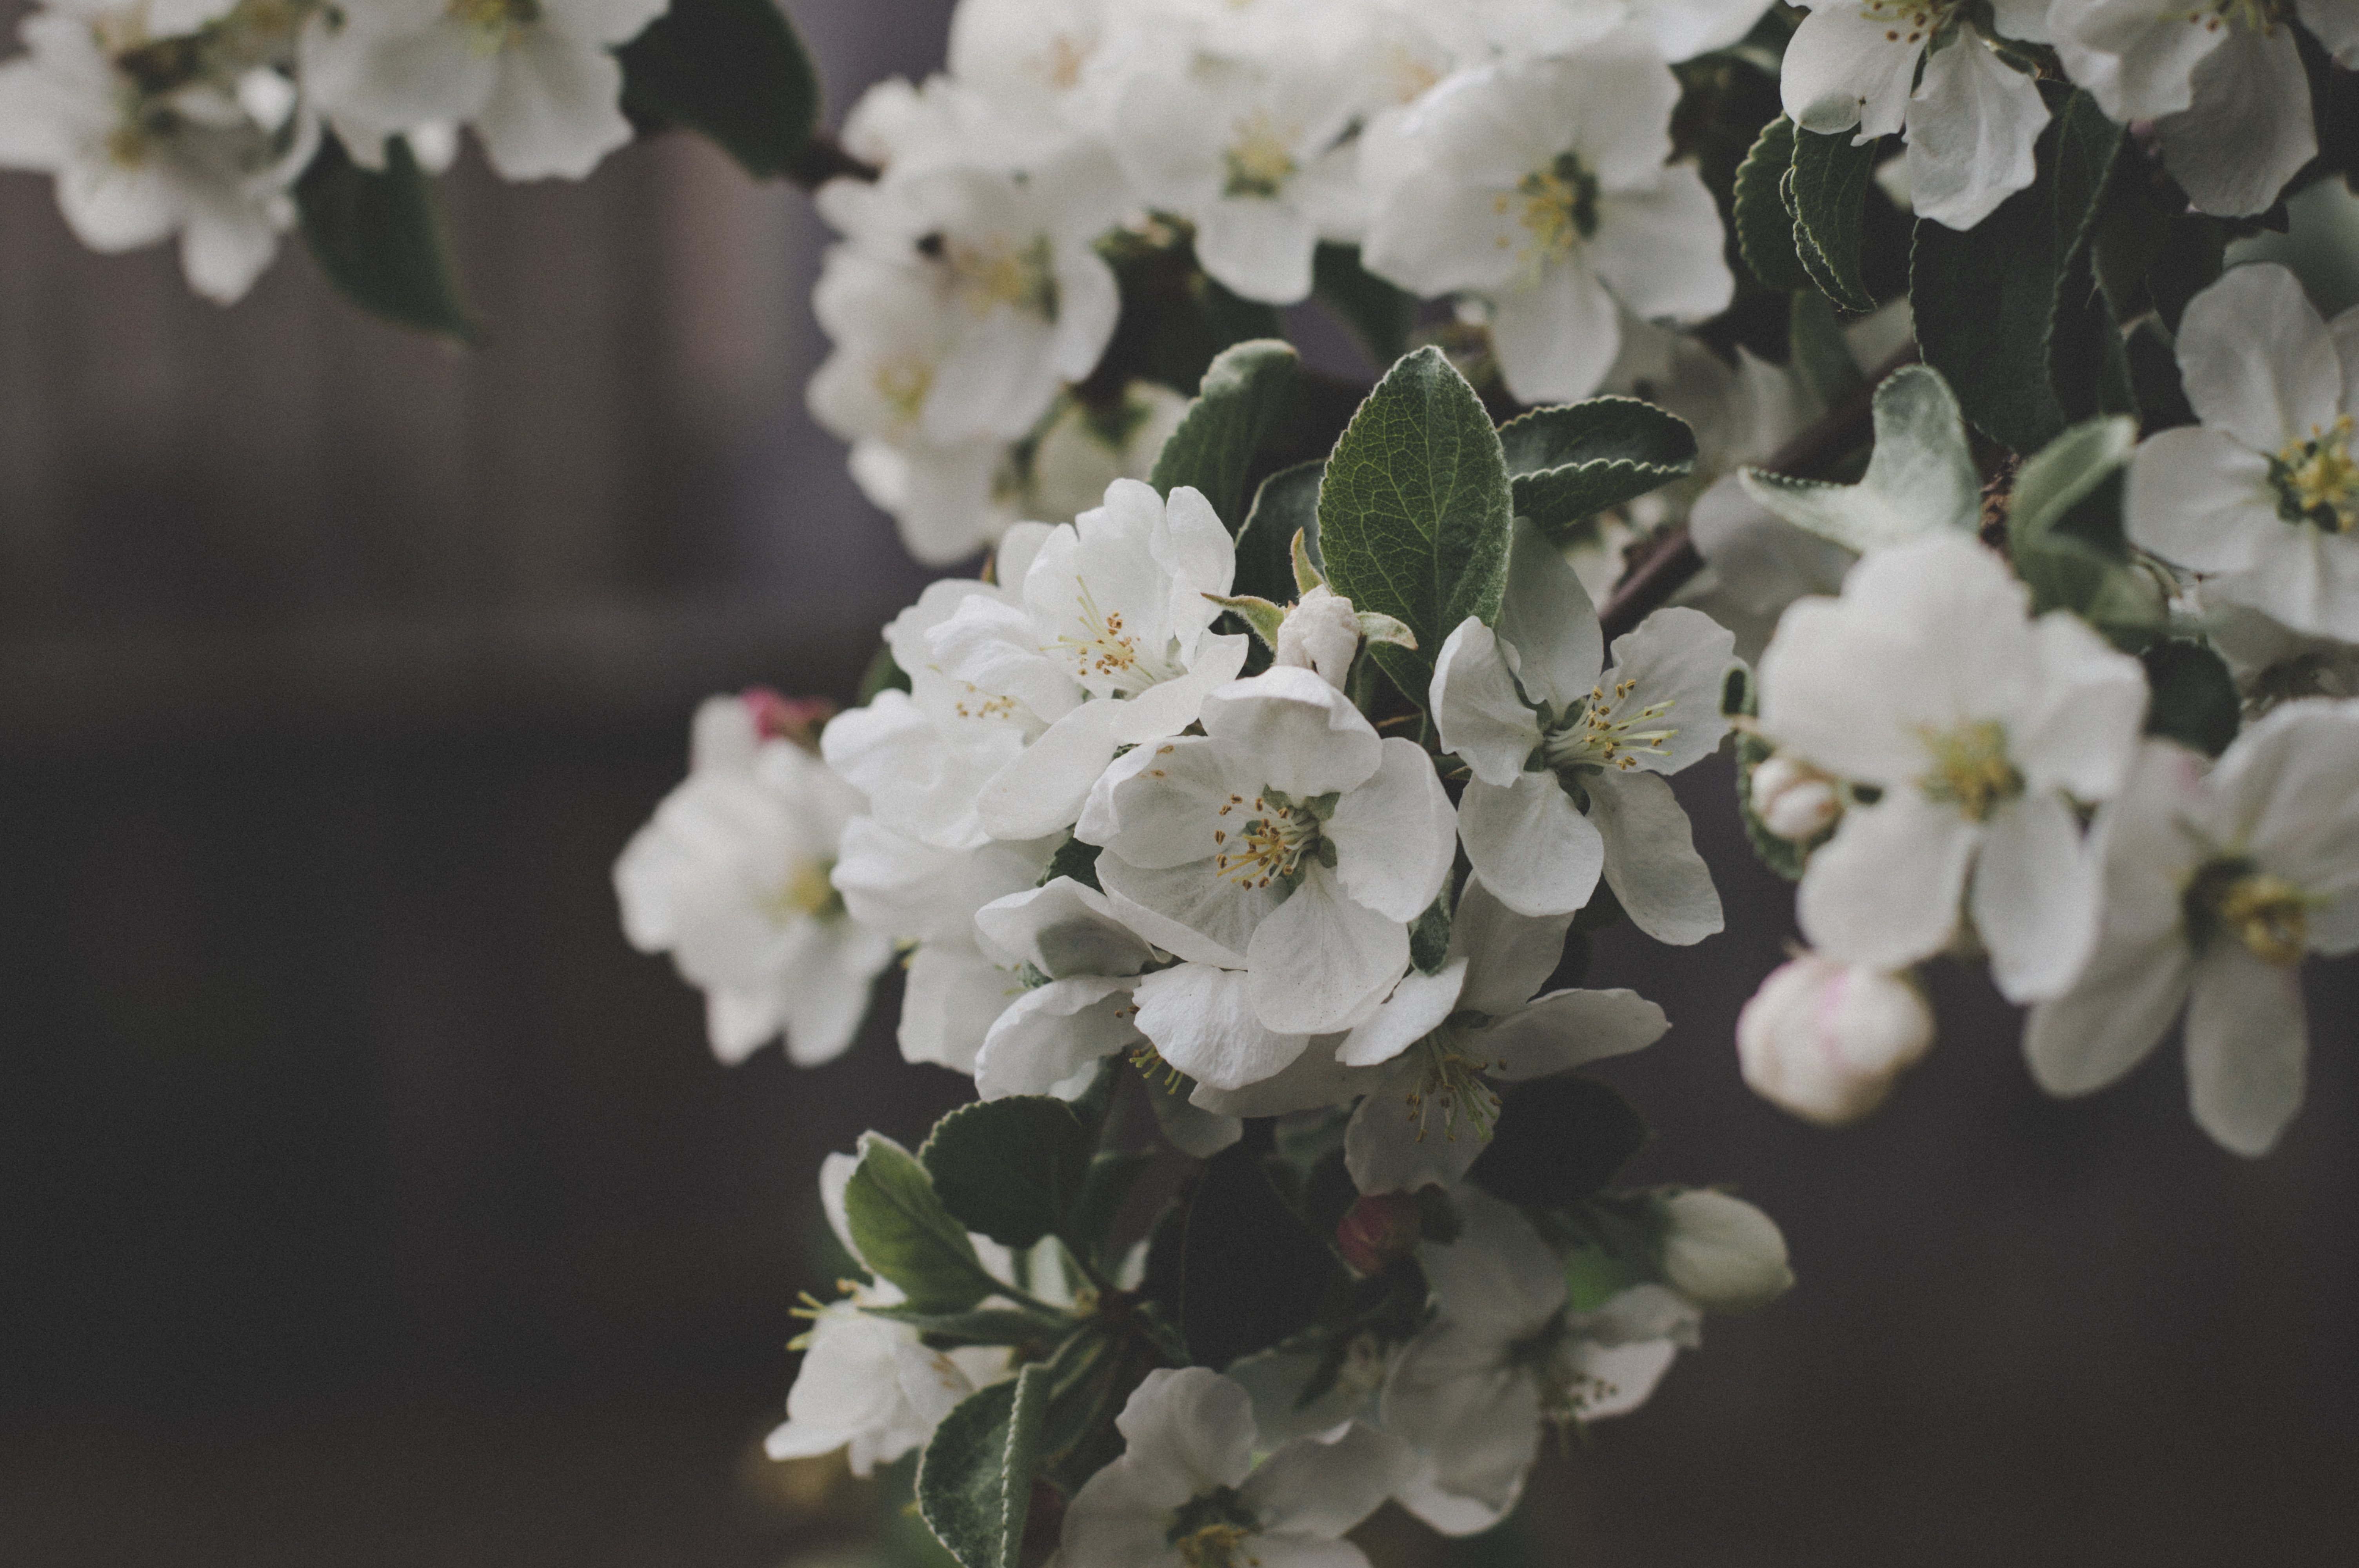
(1650, 584)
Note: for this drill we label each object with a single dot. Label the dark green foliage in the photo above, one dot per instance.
(383, 241)
(733, 71)
(1559, 1141)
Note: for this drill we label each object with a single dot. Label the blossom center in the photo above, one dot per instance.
(1109, 651)
(1448, 1083)
(903, 384)
(1970, 769)
(2234, 898)
(2259, 16)
(493, 23)
(1560, 207)
(1908, 21)
(1207, 1529)
(1259, 160)
(1273, 843)
(995, 273)
(1598, 734)
(2318, 479)
(808, 893)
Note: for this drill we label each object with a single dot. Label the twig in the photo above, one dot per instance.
(1650, 585)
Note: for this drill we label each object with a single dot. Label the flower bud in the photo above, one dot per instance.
(796, 719)
(1378, 1231)
(1322, 634)
(1721, 1252)
(1826, 1039)
(1793, 799)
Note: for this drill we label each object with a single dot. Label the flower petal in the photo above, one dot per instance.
(1201, 1021)
(2247, 1048)
(1510, 956)
(2035, 897)
(2199, 498)
(1482, 717)
(1570, 1029)
(1395, 835)
(1972, 126)
(2257, 360)
(1884, 891)
(1546, 617)
(1650, 859)
(1530, 845)
(1322, 960)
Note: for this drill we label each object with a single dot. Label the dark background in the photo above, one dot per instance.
(364, 1200)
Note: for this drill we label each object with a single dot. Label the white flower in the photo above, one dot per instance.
(1110, 639)
(1826, 1040)
(1086, 448)
(2218, 882)
(1288, 840)
(139, 159)
(1423, 1067)
(1542, 188)
(1029, 56)
(730, 878)
(1982, 728)
(1568, 761)
(1970, 117)
(534, 77)
(1051, 1038)
(1187, 1494)
(1721, 1252)
(1027, 303)
(2264, 496)
(2222, 81)
(1470, 1393)
(1250, 152)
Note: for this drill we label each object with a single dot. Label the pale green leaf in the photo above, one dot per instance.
(1921, 477)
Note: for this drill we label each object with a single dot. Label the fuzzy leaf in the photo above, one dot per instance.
(1011, 1168)
(1286, 504)
(1921, 477)
(382, 240)
(1828, 197)
(905, 1234)
(1575, 460)
(1260, 616)
(975, 1479)
(1214, 447)
(735, 72)
(1765, 230)
(1415, 511)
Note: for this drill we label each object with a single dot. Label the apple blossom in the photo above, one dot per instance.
(1826, 1040)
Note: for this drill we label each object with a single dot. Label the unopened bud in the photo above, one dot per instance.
(1321, 633)
(1721, 1252)
(796, 719)
(1793, 799)
(1826, 1039)
(1379, 1232)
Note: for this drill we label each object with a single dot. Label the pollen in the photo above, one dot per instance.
(994, 274)
(1259, 160)
(2318, 479)
(1970, 769)
(1600, 734)
(1449, 1086)
(492, 24)
(1560, 207)
(2270, 917)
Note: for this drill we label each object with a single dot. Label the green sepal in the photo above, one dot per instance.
(1260, 616)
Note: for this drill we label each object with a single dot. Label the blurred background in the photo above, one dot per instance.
(364, 1200)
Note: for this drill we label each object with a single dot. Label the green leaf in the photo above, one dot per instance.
(1075, 859)
(1251, 1273)
(1286, 504)
(1214, 447)
(2064, 534)
(904, 1233)
(1765, 229)
(1827, 193)
(1415, 511)
(733, 71)
(882, 675)
(975, 1479)
(1009, 1168)
(983, 1325)
(1575, 460)
(1260, 616)
(1818, 356)
(383, 241)
(1921, 477)
(1985, 300)
(1557, 1142)
(1111, 1176)
(1379, 315)
(2194, 701)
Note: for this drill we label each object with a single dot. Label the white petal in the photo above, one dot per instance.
(1661, 249)
(1050, 1033)
(1418, 1007)
(1530, 845)
(1564, 1030)
(2035, 897)
(1201, 1021)
(1556, 337)
(2337, 26)
(1971, 131)
(1390, 1148)
(1322, 959)
(1546, 618)
(2081, 736)
(554, 108)
(1843, 70)
(1192, 1424)
(1043, 787)
(2249, 128)
(826, 995)
(1884, 891)
(952, 999)
(1482, 716)
(1511, 955)
(2111, 1018)
(1650, 859)
(2256, 359)
(1395, 835)
(1322, 1489)
(1257, 247)
(2302, 576)
(1191, 911)
(1305, 734)
(2199, 498)
(1679, 659)
(2247, 1048)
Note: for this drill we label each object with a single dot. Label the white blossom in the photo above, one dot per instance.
(730, 878)
(2223, 83)
(1981, 728)
(1568, 755)
(1288, 841)
(1721, 1252)
(1051, 1038)
(1827, 1040)
(534, 78)
(2219, 881)
(2263, 497)
(1970, 117)
(1187, 1494)
(1542, 189)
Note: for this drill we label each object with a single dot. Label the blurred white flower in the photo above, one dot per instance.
(1721, 1252)
(1827, 1040)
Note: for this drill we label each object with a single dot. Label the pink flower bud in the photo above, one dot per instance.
(1826, 1039)
(796, 719)
(1379, 1232)
(1793, 799)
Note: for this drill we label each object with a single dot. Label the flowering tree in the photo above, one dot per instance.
(1871, 389)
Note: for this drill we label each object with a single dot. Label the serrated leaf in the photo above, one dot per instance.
(1011, 1169)
(1920, 476)
(382, 240)
(1108, 1184)
(1213, 447)
(1765, 229)
(1828, 195)
(1817, 353)
(1251, 1273)
(903, 1232)
(1557, 1142)
(2194, 698)
(733, 71)
(1379, 315)
(983, 1325)
(1286, 504)
(1574, 461)
(2055, 478)
(1415, 511)
(975, 1479)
